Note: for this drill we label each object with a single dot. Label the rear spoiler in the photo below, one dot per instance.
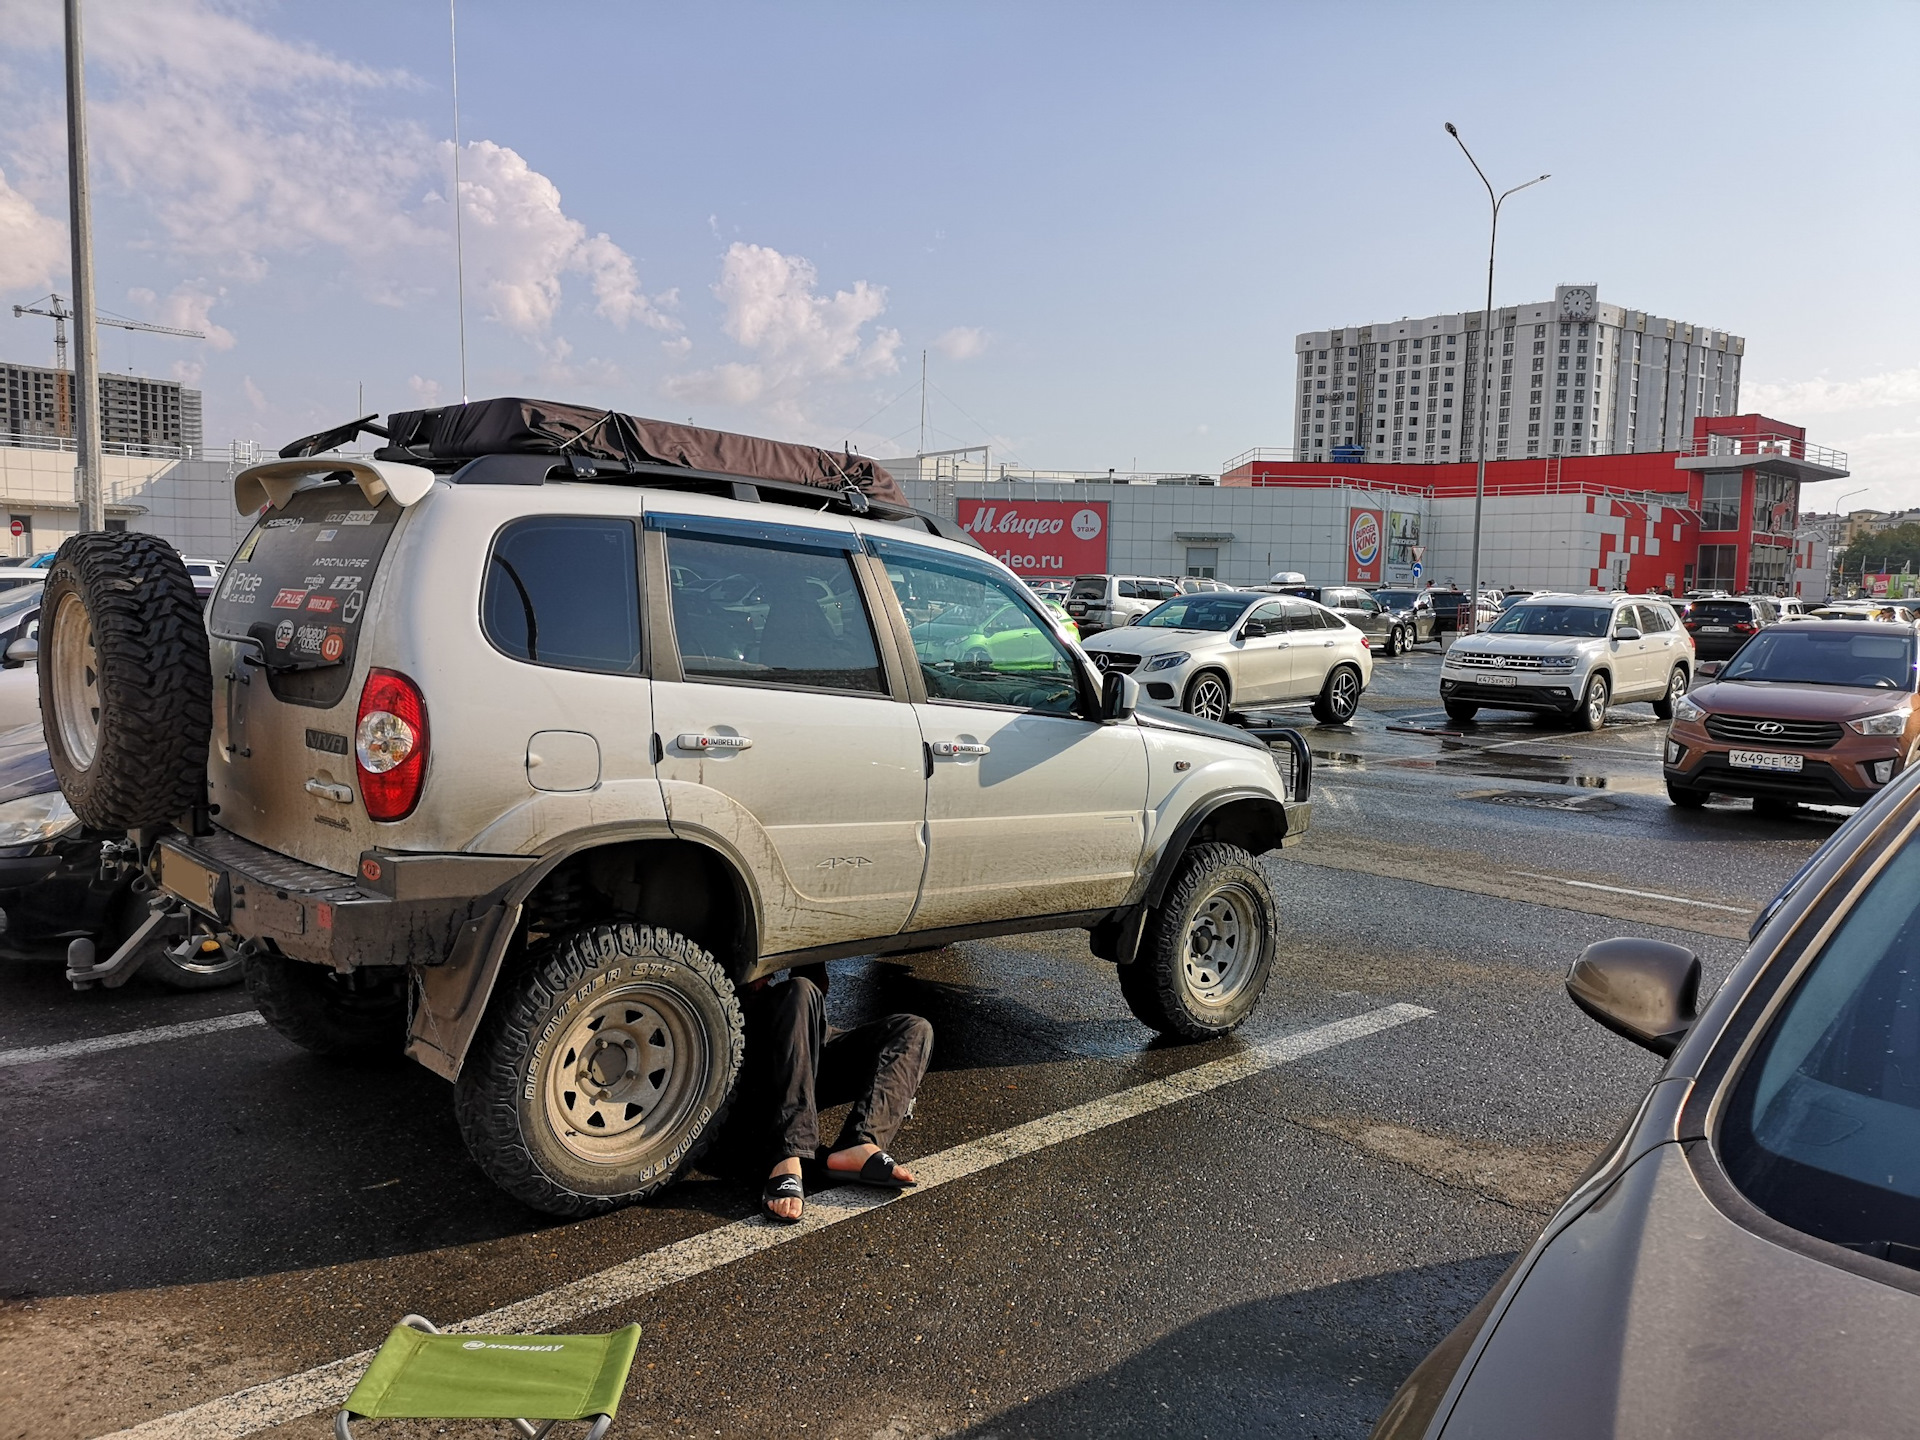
(272, 482)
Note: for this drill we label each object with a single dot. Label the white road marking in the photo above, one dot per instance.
(1641, 894)
(325, 1386)
(70, 1049)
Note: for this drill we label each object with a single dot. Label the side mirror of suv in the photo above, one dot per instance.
(1645, 990)
(1119, 696)
(1253, 630)
(1626, 632)
(23, 651)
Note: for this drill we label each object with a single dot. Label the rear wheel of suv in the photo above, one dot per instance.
(1208, 696)
(1592, 714)
(1208, 949)
(1676, 690)
(603, 1071)
(1339, 698)
(363, 1012)
(1393, 647)
(126, 688)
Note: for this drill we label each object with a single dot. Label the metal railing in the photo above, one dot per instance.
(1259, 452)
(242, 452)
(1786, 446)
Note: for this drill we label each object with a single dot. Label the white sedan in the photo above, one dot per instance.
(1213, 654)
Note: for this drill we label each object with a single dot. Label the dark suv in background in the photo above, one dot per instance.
(1720, 627)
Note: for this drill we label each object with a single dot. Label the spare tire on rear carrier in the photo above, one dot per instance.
(126, 688)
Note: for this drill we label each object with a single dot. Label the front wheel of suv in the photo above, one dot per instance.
(1676, 690)
(1208, 696)
(1592, 714)
(1208, 949)
(1461, 711)
(1685, 796)
(603, 1070)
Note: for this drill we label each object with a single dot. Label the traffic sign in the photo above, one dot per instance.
(1419, 552)
(1416, 569)
(19, 527)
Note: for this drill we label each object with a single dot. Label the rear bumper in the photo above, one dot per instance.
(401, 909)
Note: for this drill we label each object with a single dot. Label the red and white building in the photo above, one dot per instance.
(1721, 513)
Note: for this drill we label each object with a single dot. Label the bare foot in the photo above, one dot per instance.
(786, 1209)
(849, 1161)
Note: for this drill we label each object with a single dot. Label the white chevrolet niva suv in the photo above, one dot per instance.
(1571, 656)
(524, 742)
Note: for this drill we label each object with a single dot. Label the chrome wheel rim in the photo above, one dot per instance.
(1344, 694)
(1207, 699)
(624, 1074)
(1597, 702)
(1222, 945)
(1677, 686)
(76, 682)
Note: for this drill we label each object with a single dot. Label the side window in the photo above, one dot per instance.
(565, 591)
(1273, 615)
(976, 636)
(770, 612)
(1129, 591)
(1657, 618)
(1300, 615)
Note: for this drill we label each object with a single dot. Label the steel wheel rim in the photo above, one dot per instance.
(1208, 699)
(76, 682)
(1222, 945)
(624, 1074)
(1344, 694)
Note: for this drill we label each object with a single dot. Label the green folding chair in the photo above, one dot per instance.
(421, 1374)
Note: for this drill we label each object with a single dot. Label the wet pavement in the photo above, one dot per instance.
(194, 1216)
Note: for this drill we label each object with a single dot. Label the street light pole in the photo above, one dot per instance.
(1485, 376)
(89, 494)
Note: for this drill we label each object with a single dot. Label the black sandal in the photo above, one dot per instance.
(878, 1171)
(783, 1187)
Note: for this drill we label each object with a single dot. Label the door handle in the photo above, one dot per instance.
(1326, 644)
(960, 747)
(339, 794)
(694, 741)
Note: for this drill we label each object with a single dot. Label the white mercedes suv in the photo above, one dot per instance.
(1213, 654)
(1571, 656)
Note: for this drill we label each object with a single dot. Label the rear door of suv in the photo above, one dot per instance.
(1033, 808)
(783, 729)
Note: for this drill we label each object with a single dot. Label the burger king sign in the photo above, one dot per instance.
(1364, 544)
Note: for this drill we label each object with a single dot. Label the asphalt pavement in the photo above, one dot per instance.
(1265, 1245)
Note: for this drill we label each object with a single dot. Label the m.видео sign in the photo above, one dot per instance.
(1040, 537)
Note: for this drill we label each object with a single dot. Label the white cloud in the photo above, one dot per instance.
(963, 342)
(426, 393)
(33, 246)
(249, 150)
(799, 337)
(1792, 398)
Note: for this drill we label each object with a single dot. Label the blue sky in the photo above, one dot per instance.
(1104, 223)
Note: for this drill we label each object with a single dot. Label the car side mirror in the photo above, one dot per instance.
(1119, 696)
(1708, 669)
(1253, 630)
(23, 651)
(1645, 990)
(1626, 632)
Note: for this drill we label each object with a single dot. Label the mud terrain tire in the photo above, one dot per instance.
(603, 1069)
(126, 689)
(1219, 908)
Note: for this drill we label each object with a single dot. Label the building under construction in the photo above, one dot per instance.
(135, 411)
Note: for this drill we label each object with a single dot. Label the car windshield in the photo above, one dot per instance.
(25, 598)
(1398, 599)
(1583, 622)
(1823, 1131)
(1805, 656)
(1196, 612)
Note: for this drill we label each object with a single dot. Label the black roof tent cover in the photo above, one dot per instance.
(510, 426)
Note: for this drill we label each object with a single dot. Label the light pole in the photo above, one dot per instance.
(1485, 377)
(89, 485)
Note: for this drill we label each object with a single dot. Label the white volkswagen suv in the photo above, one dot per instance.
(1212, 654)
(1571, 656)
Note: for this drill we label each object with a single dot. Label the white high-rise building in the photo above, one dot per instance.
(1571, 376)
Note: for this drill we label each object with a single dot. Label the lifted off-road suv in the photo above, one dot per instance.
(525, 741)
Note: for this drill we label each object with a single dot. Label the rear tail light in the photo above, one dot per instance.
(1743, 627)
(1365, 643)
(390, 745)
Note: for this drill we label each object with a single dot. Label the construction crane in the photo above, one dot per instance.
(56, 310)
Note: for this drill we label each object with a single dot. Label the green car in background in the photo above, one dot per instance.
(1006, 639)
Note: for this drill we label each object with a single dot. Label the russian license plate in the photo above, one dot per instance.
(1713, 629)
(1498, 680)
(1076, 608)
(1763, 760)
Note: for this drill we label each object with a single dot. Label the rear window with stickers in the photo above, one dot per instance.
(298, 586)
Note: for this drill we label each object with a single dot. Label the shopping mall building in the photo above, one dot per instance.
(1720, 511)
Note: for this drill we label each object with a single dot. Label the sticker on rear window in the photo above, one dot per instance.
(289, 599)
(322, 604)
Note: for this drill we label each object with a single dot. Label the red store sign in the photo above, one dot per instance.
(1040, 537)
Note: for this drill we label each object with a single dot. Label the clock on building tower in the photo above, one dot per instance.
(1577, 303)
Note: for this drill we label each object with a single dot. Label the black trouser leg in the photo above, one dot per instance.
(786, 1035)
(885, 1059)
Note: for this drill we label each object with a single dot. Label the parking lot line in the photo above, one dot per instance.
(325, 1386)
(1641, 894)
(69, 1049)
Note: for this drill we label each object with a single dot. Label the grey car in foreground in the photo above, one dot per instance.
(1744, 1260)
